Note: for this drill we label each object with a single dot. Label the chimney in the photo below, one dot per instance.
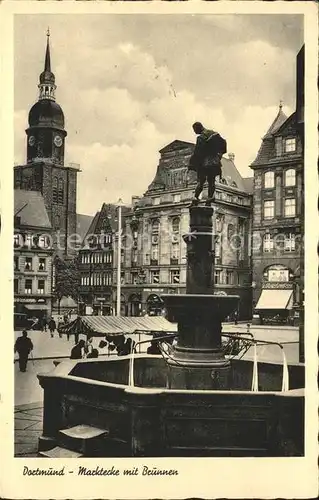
(300, 83)
(231, 156)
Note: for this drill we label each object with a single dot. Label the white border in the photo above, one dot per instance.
(201, 477)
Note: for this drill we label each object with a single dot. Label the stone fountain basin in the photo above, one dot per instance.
(217, 306)
(151, 420)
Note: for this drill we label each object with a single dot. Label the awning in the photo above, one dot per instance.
(275, 299)
(36, 307)
(113, 325)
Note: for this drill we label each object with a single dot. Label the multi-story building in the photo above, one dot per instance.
(277, 214)
(32, 255)
(44, 170)
(97, 263)
(155, 252)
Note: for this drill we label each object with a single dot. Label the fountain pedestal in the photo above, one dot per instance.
(197, 361)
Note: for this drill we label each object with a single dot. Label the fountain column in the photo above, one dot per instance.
(197, 360)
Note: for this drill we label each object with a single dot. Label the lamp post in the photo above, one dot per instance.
(119, 249)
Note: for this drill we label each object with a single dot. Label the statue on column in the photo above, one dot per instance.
(206, 160)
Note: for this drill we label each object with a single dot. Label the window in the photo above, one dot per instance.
(157, 200)
(175, 225)
(229, 277)
(289, 242)
(16, 286)
(154, 252)
(290, 145)
(174, 277)
(41, 264)
(28, 240)
(134, 278)
(290, 207)
(16, 263)
(290, 177)
(175, 251)
(269, 209)
(57, 221)
(122, 256)
(28, 264)
(176, 198)
(230, 232)
(28, 287)
(155, 276)
(134, 256)
(268, 243)
(217, 246)
(60, 191)
(217, 277)
(41, 287)
(55, 190)
(43, 241)
(17, 240)
(269, 180)
(278, 146)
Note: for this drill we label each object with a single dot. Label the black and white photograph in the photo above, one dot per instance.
(158, 241)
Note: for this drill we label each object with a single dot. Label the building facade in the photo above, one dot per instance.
(33, 254)
(154, 249)
(97, 264)
(45, 170)
(278, 217)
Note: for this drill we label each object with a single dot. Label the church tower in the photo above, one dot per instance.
(44, 170)
(46, 134)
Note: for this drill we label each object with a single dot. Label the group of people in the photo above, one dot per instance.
(84, 349)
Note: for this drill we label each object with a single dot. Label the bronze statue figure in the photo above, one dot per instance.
(206, 160)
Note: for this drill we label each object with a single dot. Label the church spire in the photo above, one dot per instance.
(47, 79)
(47, 64)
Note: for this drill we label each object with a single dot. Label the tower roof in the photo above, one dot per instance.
(47, 76)
(276, 124)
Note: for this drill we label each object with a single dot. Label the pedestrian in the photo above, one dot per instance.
(88, 346)
(236, 317)
(52, 326)
(23, 347)
(77, 351)
(93, 354)
(44, 324)
(76, 336)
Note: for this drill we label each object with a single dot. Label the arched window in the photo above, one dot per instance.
(175, 225)
(60, 191)
(55, 190)
(269, 179)
(290, 177)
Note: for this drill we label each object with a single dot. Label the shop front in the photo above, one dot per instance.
(276, 303)
(30, 308)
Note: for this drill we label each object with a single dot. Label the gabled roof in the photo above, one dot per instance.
(249, 184)
(277, 123)
(83, 223)
(30, 208)
(176, 145)
(231, 174)
(105, 220)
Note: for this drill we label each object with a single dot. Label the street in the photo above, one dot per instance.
(28, 390)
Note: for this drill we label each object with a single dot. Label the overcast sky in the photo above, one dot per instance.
(130, 84)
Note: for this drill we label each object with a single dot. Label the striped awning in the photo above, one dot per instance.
(113, 325)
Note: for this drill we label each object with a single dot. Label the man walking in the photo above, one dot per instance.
(52, 326)
(206, 160)
(23, 347)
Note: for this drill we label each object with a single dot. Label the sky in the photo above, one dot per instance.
(131, 84)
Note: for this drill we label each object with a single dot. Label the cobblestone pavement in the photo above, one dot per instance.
(27, 429)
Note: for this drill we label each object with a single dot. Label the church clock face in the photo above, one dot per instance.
(58, 141)
(31, 140)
